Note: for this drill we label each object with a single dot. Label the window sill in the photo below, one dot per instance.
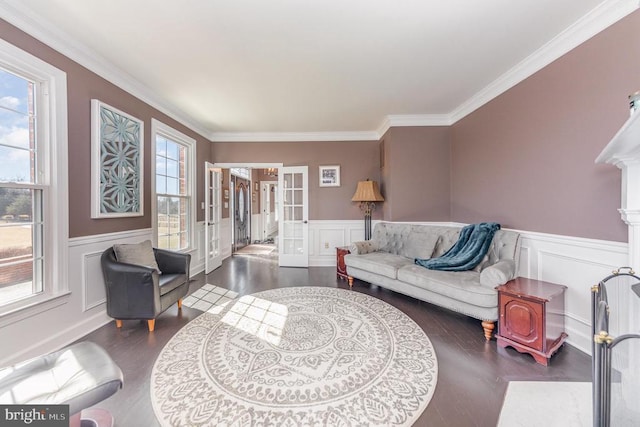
(30, 307)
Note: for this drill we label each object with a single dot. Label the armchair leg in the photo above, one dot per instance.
(180, 304)
(118, 323)
(152, 324)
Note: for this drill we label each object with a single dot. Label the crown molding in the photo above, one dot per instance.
(292, 136)
(404, 120)
(591, 24)
(17, 14)
(601, 17)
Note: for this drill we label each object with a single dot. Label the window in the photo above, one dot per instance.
(174, 187)
(33, 183)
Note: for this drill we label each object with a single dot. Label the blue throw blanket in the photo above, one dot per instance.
(471, 247)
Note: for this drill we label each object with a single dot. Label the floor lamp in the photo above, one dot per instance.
(367, 194)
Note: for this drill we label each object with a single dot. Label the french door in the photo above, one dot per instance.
(213, 215)
(293, 234)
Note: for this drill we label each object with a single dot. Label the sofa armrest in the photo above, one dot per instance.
(498, 274)
(363, 247)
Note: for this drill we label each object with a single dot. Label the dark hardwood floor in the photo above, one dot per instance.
(472, 375)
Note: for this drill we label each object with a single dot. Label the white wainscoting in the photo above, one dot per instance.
(84, 262)
(577, 263)
(85, 309)
(325, 236)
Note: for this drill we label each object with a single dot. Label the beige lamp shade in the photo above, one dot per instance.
(367, 191)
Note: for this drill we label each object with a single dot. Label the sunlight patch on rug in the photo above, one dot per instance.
(296, 357)
(548, 404)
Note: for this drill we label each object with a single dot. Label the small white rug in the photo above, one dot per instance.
(209, 297)
(548, 404)
(256, 249)
(306, 356)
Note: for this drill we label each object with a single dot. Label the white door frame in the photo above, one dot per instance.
(229, 165)
(212, 216)
(264, 201)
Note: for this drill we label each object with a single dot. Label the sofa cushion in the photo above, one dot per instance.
(382, 263)
(137, 254)
(420, 243)
(448, 236)
(408, 240)
(458, 285)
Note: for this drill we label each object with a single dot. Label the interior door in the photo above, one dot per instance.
(293, 234)
(213, 215)
(268, 205)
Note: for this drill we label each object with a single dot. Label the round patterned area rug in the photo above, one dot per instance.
(306, 356)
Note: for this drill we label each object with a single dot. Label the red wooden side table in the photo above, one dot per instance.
(531, 317)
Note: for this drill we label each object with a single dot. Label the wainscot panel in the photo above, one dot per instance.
(577, 263)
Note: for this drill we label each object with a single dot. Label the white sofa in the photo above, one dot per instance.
(388, 260)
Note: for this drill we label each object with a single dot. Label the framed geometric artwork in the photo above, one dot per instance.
(117, 141)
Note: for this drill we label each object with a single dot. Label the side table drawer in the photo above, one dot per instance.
(522, 321)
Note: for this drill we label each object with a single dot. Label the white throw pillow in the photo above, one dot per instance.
(137, 254)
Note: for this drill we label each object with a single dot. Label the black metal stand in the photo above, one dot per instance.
(367, 208)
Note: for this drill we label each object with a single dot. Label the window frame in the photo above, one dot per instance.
(158, 128)
(52, 143)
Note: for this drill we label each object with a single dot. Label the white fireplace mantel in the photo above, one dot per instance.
(625, 145)
(624, 152)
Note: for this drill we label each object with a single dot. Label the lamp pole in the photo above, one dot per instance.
(367, 208)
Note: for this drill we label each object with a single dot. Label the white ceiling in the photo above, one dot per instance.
(336, 69)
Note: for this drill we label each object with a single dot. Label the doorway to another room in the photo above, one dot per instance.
(265, 211)
(253, 212)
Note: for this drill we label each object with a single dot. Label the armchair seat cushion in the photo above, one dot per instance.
(169, 282)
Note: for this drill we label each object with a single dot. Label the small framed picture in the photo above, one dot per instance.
(330, 176)
(226, 193)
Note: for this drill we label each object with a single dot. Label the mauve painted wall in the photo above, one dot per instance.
(358, 160)
(82, 86)
(416, 174)
(526, 159)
